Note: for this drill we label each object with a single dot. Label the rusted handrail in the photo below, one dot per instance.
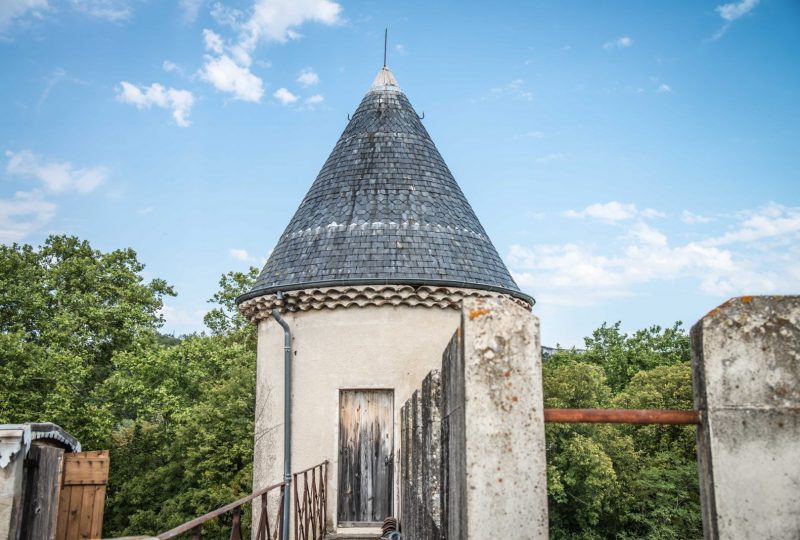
(326, 462)
(310, 509)
(265, 531)
(621, 416)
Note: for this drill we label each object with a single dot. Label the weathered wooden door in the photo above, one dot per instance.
(83, 496)
(366, 446)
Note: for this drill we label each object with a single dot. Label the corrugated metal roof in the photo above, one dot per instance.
(384, 209)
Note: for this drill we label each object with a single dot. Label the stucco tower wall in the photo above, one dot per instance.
(387, 347)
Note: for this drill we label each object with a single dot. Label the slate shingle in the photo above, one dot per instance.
(384, 209)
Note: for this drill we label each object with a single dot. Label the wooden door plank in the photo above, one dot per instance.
(42, 512)
(74, 521)
(97, 512)
(85, 514)
(63, 513)
(384, 449)
(348, 465)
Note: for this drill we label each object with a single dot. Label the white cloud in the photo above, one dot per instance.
(170, 67)
(190, 9)
(731, 12)
(244, 256)
(663, 88)
(314, 100)
(308, 77)
(109, 10)
(52, 81)
(228, 76)
(179, 101)
(23, 214)
(619, 43)
(734, 10)
(55, 176)
(691, 218)
(226, 15)
(213, 41)
(270, 21)
(771, 221)
(400, 49)
(646, 234)
(240, 254)
(29, 211)
(230, 73)
(612, 212)
(16, 9)
(579, 275)
(278, 20)
(284, 96)
(737, 262)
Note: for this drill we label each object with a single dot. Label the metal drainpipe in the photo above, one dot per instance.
(287, 415)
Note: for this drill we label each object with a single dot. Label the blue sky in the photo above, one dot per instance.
(633, 161)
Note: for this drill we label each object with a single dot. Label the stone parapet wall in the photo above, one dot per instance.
(484, 476)
(421, 461)
(472, 448)
(746, 361)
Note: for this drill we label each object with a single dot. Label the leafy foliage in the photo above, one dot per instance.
(622, 356)
(79, 346)
(188, 449)
(622, 481)
(65, 310)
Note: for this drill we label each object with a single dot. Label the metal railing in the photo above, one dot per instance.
(310, 508)
(310, 511)
(266, 529)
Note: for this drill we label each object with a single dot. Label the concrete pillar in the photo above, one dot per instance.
(12, 459)
(493, 408)
(746, 357)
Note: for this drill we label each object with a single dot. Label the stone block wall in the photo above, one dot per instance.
(746, 361)
(421, 496)
(473, 436)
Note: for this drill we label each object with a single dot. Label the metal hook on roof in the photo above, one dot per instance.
(421, 117)
(348, 117)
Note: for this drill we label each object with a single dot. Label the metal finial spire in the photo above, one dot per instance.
(385, 41)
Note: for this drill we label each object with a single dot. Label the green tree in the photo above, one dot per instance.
(188, 449)
(623, 356)
(65, 310)
(188, 446)
(79, 346)
(618, 481)
(225, 319)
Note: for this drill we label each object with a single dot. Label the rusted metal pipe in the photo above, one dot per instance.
(620, 416)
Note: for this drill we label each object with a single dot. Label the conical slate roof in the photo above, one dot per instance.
(384, 209)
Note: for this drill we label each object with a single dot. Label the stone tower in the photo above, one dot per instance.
(369, 275)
